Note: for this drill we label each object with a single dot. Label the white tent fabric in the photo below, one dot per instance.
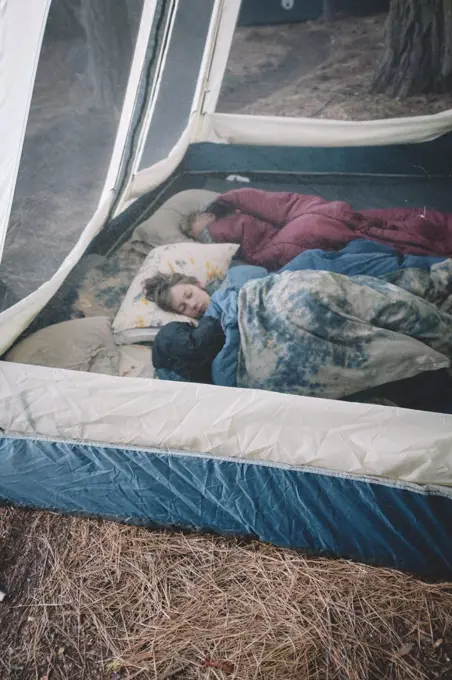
(229, 128)
(18, 65)
(22, 26)
(225, 28)
(360, 439)
(148, 179)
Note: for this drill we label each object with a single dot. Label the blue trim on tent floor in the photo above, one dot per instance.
(392, 525)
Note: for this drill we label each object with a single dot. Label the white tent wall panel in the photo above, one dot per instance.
(356, 439)
(22, 25)
(19, 81)
(228, 15)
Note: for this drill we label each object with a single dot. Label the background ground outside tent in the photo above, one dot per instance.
(315, 70)
(95, 600)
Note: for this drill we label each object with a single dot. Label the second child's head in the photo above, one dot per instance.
(194, 224)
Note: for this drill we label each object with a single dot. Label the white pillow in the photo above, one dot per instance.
(138, 319)
(162, 228)
(78, 345)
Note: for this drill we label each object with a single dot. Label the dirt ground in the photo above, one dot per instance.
(90, 600)
(314, 70)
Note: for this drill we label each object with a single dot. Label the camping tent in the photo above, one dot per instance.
(363, 481)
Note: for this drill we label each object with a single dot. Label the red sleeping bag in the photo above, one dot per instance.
(274, 227)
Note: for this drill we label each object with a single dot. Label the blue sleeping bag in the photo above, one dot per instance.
(357, 258)
(223, 306)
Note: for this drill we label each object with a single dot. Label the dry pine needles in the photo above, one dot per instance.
(88, 599)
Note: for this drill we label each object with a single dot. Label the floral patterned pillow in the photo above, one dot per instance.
(139, 319)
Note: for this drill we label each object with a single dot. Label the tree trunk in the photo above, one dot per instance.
(106, 23)
(417, 57)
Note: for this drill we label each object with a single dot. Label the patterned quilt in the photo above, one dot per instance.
(322, 334)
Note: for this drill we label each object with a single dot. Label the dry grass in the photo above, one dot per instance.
(90, 599)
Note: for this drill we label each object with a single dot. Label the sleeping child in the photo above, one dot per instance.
(274, 227)
(313, 333)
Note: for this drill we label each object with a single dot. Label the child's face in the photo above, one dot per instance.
(201, 221)
(189, 300)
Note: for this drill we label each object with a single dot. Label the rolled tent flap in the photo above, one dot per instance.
(310, 132)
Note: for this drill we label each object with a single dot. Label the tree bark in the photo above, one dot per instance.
(106, 24)
(417, 57)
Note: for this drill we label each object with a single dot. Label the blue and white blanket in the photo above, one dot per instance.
(323, 334)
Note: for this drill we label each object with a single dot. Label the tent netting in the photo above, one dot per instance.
(77, 98)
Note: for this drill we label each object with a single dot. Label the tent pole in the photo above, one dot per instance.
(144, 31)
(229, 12)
